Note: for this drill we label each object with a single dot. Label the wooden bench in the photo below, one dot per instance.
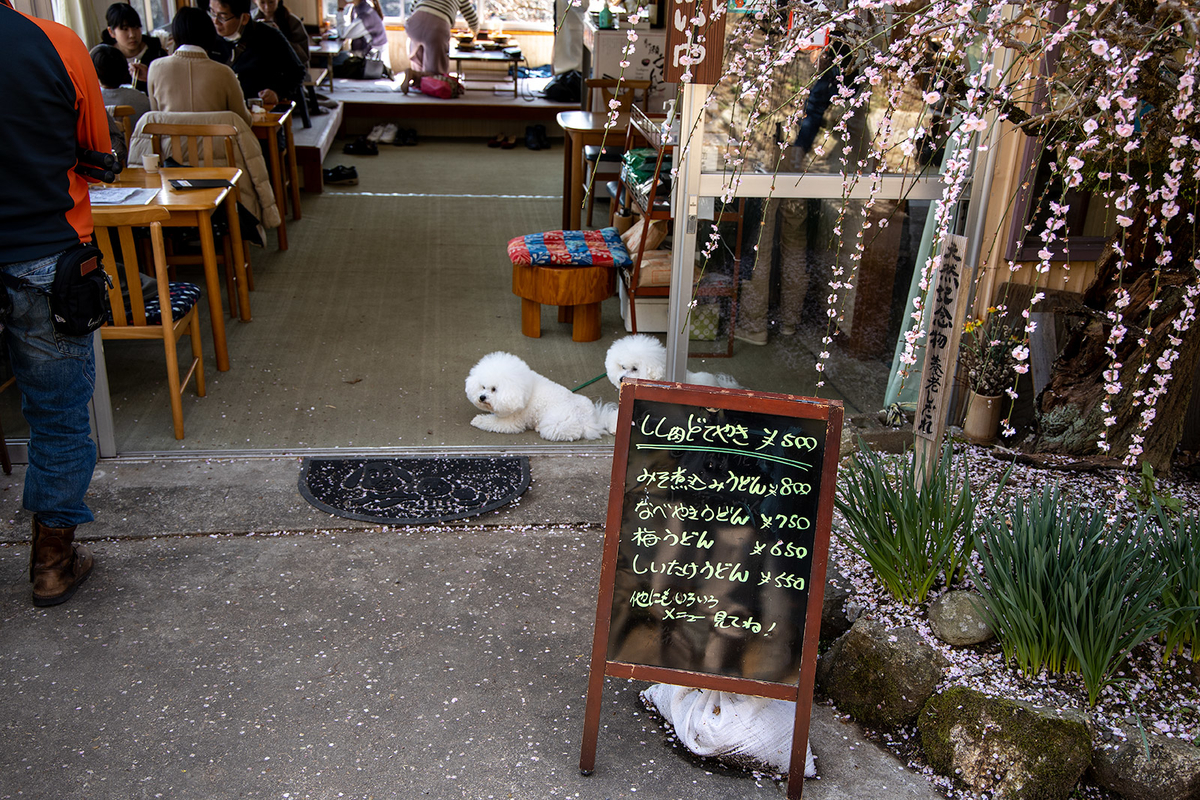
(313, 144)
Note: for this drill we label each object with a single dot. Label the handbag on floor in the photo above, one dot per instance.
(443, 86)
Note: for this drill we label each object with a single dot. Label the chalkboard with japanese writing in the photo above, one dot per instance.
(715, 547)
(719, 524)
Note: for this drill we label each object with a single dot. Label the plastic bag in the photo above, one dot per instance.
(746, 732)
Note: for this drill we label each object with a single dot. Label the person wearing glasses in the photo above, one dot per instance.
(264, 62)
(124, 32)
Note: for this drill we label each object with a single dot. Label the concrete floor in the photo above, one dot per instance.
(235, 642)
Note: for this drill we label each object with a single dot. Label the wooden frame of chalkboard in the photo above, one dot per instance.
(716, 546)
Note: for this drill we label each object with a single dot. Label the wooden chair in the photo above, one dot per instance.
(124, 117)
(139, 318)
(605, 90)
(195, 146)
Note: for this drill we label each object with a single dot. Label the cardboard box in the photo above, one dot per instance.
(703, 325)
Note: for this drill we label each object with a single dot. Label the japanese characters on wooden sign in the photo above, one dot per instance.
(941, 349)
(695, 40)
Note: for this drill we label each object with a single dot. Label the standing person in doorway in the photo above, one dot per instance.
(44, 212)
(428, 28)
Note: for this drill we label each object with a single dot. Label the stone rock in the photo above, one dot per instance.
(882, 677)
(1010, 749)
(955, 620)
(1171, 773)
(837, 612)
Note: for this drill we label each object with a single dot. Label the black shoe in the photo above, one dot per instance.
(405, 137)
(543, 141)
(531, 139)
(361, 147)
(341, 176)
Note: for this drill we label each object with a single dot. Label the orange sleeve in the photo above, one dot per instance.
(91, 128)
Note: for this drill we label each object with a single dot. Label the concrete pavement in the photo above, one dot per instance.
(236, 642)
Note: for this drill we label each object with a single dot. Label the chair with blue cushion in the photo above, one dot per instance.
(137, 316)
(574, 270)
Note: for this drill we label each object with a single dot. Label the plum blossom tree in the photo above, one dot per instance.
(1109, 88)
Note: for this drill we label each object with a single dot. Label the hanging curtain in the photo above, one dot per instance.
(79, 16)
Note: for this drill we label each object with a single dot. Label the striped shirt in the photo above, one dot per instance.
(449, 11)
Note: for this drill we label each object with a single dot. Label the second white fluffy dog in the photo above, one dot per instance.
(645, 357)
(519, 399)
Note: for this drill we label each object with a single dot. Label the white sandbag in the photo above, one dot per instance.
(746, 732)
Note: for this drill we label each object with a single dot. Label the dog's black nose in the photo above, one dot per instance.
(483, 398)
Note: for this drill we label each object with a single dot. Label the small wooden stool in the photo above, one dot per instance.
(577, 291)
(574, 270)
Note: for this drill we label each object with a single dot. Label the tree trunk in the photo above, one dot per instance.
(1069, 415)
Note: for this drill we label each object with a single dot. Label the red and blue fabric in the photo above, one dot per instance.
(602, 248)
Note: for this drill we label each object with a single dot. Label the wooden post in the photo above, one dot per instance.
(941, 354)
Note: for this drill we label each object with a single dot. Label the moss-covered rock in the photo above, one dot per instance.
(881, 676)
(1007, 748)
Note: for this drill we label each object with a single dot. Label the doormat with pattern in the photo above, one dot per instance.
(412, 491)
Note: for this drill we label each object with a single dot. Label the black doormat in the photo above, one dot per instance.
(412, 491)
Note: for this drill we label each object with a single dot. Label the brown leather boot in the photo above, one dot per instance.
(56, 564)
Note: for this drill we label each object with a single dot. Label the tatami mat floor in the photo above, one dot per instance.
(364, 330)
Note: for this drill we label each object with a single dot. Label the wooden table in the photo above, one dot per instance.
(512, 60)
(193, 208)
(327, 48)
(266, 126)
(582, 128)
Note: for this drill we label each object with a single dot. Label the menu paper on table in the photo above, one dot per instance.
(121, 196)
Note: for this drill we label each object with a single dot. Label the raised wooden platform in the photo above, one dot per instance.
(313, 144)
(474, 114)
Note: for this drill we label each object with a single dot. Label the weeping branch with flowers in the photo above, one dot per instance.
(1109, 88)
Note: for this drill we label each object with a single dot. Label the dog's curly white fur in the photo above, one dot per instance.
(645, 357)
(519, 399)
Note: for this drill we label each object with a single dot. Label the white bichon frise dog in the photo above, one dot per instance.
(518, 399)
(645, 357)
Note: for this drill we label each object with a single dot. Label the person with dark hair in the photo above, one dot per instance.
(188, 80)
(264, 62)
(125, 33)
(278, 16)
(115, 88)
(45, 214)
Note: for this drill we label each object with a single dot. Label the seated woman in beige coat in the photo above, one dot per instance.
(189, 80)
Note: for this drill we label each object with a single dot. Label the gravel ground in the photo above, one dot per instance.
(1164, 694)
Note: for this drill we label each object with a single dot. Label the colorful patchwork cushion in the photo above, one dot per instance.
(602, 248)
(183, 297)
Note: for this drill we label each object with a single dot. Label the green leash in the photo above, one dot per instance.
(589, 383)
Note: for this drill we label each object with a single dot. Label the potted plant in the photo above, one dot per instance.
(987, 357)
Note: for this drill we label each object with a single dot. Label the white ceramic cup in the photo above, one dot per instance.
(150, 163)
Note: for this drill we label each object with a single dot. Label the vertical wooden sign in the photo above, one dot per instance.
(716, 547)
(941, 353)
(695, 40)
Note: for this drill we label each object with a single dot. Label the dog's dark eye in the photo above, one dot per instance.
(633, 369)
(492, 389)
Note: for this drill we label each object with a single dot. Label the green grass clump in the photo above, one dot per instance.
(1066, 591)
(910, 531)
(1179, 550)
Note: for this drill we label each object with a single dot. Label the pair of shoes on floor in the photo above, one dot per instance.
(758, 338)
(503, 141)
(383, 133)
(341, 176)
(405, 137)
(361, 147)
(535, 137)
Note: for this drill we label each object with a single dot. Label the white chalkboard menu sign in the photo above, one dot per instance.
(716, 546)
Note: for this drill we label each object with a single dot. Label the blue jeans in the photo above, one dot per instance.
(56, 375)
